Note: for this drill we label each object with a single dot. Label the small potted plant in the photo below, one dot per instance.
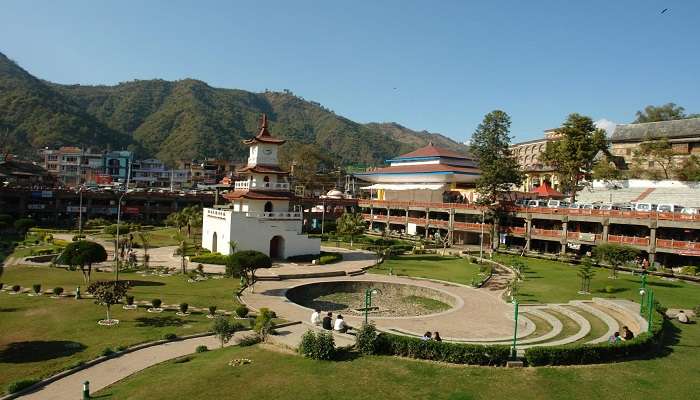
(15, 289)
(155, 303)
(129, 303)
(183, 310)
(212, 312)
(57, 292)
(37, 289)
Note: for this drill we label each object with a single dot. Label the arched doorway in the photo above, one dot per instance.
(277, 247)
(213, 243)
(268, 206)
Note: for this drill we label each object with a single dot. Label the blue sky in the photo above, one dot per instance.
(450, 62)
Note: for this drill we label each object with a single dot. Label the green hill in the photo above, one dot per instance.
(187, 119)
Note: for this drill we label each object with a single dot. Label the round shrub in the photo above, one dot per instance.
(170, 336)
(57, 291)
(184, 307)
(609, 289)
(36, 288)
(130, 300)
(317, 345)
(241, 311)
(156, 303)
(212, 310)
(201, 349)
(16, 288)
(366, 339)
(107, 351)
(20, 385)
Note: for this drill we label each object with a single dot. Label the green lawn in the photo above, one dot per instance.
(272, 375)
(41, 335)
(448, 268)
(554, 282)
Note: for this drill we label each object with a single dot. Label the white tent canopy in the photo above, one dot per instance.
(406, 186)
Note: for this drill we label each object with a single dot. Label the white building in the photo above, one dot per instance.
(259, 216)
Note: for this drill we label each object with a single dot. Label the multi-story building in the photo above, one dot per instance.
(682, 134)
(117, 164)
(529, 155)
(150, 173)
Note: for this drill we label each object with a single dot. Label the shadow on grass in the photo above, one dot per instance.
(8, 309)
(612, 290)
(664, 284)
(424, 258)
(145, 283)
(26, 352)
(159, 322)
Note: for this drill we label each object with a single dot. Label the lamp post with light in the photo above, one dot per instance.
(368, 301)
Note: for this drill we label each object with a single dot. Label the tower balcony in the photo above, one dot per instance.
(252, 185)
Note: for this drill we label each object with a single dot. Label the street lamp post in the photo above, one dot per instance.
(481, 239)
(642, 292)
(368, 301)
(515, 330)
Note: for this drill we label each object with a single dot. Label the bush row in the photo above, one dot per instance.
(599, 353)
(210, 258)
(329, 258)
(456, 353)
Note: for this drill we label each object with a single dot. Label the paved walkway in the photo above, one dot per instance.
(108, 372)
(479, 314)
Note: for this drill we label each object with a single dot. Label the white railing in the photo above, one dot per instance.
(292, 215)
(245, 185)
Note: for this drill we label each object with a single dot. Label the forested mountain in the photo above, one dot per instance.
(186, 119)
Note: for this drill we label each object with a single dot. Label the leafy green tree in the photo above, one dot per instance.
(499, 169)
(350, 224)
(83, 253)
(182, 251)
(666, 112)
(224, 329)
(108, 293)
(264, 323)
(573, 154)
(689, 170)
(605, 170)
(23, 225)
(586, 273)
(616, 255)
(655, 153)
(244, 264)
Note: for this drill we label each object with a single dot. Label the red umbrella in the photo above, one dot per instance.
(544, 190)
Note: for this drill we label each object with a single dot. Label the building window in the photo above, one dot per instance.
(628, 152)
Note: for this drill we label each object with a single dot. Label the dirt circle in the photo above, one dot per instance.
(388, 299)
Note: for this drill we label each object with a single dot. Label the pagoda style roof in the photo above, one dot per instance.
(433, 151)
(262, 169)
(264, 135)
(545, 190)
(257, 195)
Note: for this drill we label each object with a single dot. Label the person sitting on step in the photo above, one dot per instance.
(316, 318)
(340, 325)
(427, 336)
(436, 337)
(328, 321)
(627, 334)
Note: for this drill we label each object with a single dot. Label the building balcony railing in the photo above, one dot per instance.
(439, 222)
(639, 241)
(516, 230)
(247, 185)
(470, 226)
(546, 232)
(677, 244)
(584, 236)
(537, 210)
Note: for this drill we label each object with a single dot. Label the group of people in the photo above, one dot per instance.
(327, 323)
(625, 336)
(432, 336)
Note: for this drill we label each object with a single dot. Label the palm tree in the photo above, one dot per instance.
(145, 239)
(351, 224)
(182, 249)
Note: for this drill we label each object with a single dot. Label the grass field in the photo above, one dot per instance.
(453, 269)
(273, 375)
(44, 325)
(554, 282)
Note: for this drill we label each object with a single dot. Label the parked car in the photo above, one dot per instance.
(575, 206)
(557, 204)
(644, 207)
(607, 207)
(672, 208)
(689, 211)
(537, 203)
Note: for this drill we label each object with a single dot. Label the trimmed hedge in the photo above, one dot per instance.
(456, 353)
(211, 258)
(599, 353)
(329, 258)
(17, 386)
